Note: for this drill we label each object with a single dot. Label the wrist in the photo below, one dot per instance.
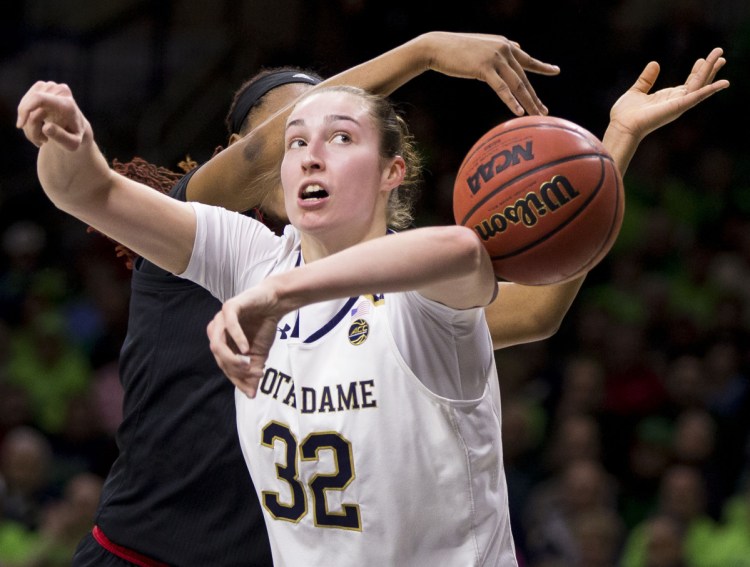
(283, 292)
(621, 145)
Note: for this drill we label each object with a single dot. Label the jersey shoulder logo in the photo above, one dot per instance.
(358, 331)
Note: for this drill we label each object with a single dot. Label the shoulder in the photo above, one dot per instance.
(179, 189)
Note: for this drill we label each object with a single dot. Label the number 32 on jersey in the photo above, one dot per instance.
(310, 449)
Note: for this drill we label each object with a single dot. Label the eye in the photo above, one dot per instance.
(341, 138)
(295, 143)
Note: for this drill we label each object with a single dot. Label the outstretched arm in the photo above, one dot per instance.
(244, 175)
(77, 178)
(522, 314)
(493, 59)
(446, 264)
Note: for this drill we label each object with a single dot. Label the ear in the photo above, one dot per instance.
(233, 138)
(393, 175)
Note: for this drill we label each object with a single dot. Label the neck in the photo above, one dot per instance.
(315, 247)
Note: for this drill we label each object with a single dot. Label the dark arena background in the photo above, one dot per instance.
(626, 433)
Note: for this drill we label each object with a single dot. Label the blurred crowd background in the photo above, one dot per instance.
(626, 434)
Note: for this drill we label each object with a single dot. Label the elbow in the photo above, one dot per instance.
(470, 258)
(545, 328)
(465, 246)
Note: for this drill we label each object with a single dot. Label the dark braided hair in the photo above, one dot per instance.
(159, 178)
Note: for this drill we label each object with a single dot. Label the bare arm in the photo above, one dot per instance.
(242, 176)
(78, 180)
(493, 59)
(522, 314)
(447, 264)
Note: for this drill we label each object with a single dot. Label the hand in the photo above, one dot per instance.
(48, 112)
(638, 113)
(241, 335)
(494, 59)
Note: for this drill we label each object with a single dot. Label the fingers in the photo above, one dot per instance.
(230, 311)
(701, 82)
(69, 140)
(515, 90)
(714, 57)
(512, 84)
(494, 59)
(714, 62)
(32, 128)
(645, 81)
(237, 367)
(715, 69)
(693, 98)
(521, 88)
(694, 77)
(704, 71)
(533, 65)
(34, 98)
(48, 112)
(526, 61)
(508, 96)
(25, 107)
(699, 74)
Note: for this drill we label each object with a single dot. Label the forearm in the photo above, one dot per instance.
(525, 314)
(81, 183)
(446, 264)
(74, 179)
(393, 69)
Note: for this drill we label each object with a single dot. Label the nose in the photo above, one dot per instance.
(311, 161)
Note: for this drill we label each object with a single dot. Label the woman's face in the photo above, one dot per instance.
(332, 172)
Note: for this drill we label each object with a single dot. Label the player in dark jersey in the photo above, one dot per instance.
(179, 492)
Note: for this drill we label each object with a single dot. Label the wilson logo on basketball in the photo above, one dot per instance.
(551, 195)
(499, 162)
(544, 197)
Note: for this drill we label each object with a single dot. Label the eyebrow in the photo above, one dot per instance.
(328, 119)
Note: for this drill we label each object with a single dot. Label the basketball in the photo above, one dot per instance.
(543, 195)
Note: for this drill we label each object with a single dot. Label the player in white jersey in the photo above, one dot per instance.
(317, 410)
(352, 449)
(391, 454)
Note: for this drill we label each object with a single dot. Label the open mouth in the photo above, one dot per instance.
(313, 192)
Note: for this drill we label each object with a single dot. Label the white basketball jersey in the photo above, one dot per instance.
(356, 462)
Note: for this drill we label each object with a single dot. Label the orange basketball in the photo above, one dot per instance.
(544, 196)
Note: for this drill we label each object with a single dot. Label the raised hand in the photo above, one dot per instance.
(48, 112)
(241, 335)
(638, 112)
(494, 59)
